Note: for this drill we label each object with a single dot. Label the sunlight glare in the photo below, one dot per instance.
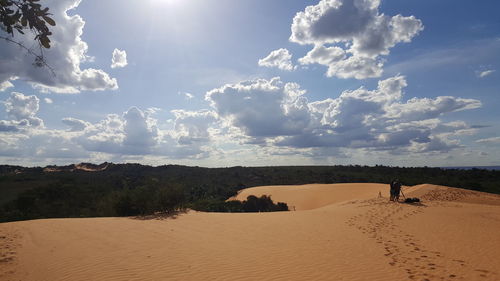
(166, 2)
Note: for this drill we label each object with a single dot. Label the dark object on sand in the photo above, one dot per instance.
(395, 190)
(412, 200)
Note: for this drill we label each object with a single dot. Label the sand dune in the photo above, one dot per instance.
(313, 196)
(340, 232)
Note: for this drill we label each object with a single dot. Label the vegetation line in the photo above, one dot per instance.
(87, 190)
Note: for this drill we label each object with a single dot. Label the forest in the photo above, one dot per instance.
(88, 190)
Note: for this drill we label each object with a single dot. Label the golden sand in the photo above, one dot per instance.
(338, 232)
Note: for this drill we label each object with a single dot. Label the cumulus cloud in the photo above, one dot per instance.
(262, 108)
(193, 126)
(119, 59)
(23, 109)
(350, 36)
(24, 136)
(136, 132)
(341, 65)
(273, 113)
(280, 58)
(140, 132)
(482, 74)
(131, 133)
(425, 108)
(65, 55)
(8, 126)
(41, 145)
(270, 114)
(104, 136)
(75, 124)
(48, 100)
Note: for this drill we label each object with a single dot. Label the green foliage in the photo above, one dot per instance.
(262, 204)
(133, 189)
(19, 15)
(216, 205)
(252, 204)
(148, 200)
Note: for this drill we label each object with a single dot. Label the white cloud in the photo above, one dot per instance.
(75, 124)
(5, 85)
(48, 100)
(105, 136)
(435, 144)
(23, 110)
(355, 67)
(261, 108)
(425, 108)
(193, 126)
(359, 33)
(140, 133)
(96, 80)
(136, 132)
(119, 59)
(186, 95)
(25, 137)
(482, 74)
(65, 55)
(272, 113)
(323, 55)
(9, 126)
(267, 116)
(132, 133)
(492, 140)
(280, 58)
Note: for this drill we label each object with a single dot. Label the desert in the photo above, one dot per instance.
(343, 140)
(337, 232)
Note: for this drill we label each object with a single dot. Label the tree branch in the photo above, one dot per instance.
(39, 59)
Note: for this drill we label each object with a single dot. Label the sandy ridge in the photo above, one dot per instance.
(343, 232)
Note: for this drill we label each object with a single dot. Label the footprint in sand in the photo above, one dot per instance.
(7, 259)
(401, 247)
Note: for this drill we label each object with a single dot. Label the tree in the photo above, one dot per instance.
(21, 15)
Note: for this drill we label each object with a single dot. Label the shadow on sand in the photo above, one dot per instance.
(417, 204)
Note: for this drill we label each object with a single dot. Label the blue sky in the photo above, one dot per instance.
(258, 82)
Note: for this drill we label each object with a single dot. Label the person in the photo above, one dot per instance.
(397, 189)
(391, 191)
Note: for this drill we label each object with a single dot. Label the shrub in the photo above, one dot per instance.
(252, 204)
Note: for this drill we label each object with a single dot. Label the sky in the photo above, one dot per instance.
(220, 83)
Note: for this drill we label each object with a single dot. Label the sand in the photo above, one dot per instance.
(338, 232)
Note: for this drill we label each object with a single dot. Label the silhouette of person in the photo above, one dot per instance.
(397, 189)
(391, 190)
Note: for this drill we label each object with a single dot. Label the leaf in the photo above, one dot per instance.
(49, 20)
(45, 42)
(17, 16)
